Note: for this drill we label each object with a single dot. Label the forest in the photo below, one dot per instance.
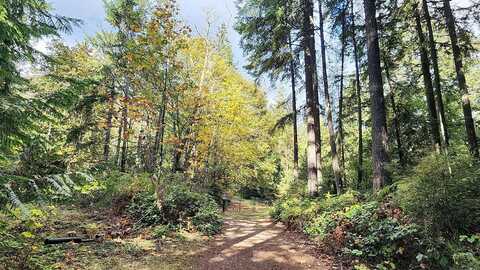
(348, 138)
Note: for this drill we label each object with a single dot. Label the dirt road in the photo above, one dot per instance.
(253, 241)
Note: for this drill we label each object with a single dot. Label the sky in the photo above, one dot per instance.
(195, 13)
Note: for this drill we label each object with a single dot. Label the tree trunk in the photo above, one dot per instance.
(318, 130)
(158, 132)
(316, 115)
(119, 142)
(309, 55)
(140, 148)
(125, 135)
(294, 112)
(427, 80)
(177, 152)
(358, 89)
(457, 57)
(396, 122)
(160, 124)
(379, 119)
(436, 75)
(328, 107)
(340, 104)
(162, 135)
(108, 129)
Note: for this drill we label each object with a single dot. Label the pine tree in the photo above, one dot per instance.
(379, 120)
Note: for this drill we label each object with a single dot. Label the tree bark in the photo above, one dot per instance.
(294, 113)
(108, 129)
(176, 130)
(160, 126)
(316, 115)
(119, 142)
(427, 80)
(328, 107)
(396, 122)
(340, 105)
(309, 56)
(140, 148)
(358, 89)
(162, 135)
(436, 75)
(125, 135)
(462, 85)
(379, 119)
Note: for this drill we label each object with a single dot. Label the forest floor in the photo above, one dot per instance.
(250, 240)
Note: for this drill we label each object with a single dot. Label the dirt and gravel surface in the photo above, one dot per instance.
(253, 241)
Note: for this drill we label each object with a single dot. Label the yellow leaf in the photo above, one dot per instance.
(27, 234)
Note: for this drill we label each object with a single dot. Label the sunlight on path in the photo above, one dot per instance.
(252, 241)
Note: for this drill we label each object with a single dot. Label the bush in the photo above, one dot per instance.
(208, 219)
(180, 207)
(143, 208)
(368, 231)
(297, 212)
(379, 235)
(444, 203)
(180, 203)
(466, 254)
(161, 231)
(118, 188)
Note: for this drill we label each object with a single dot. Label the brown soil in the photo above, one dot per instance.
(252, 241)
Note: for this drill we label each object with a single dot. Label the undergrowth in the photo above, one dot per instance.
(428, 219)
(23, 226)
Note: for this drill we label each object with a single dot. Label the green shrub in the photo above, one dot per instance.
(298, 212)
(180, 206)
(208, 219)
(466, 261)
(376, 234)
(143, 208)
(368, 231)
(444, 203)
(321, 226)
(466, 253)
(180, 203)
(294, 211)
(162, 231)
(118, 189)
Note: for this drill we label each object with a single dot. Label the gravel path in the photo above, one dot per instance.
(252, 241)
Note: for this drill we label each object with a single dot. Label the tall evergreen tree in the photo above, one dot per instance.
(427, 80)
(462, 84)
(358, 90)
(308, 32)
(328, 108)
(273, 53)
(379, 118)
(436, 74)
(21, 23)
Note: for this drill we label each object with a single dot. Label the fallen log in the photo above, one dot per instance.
(54, 241)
